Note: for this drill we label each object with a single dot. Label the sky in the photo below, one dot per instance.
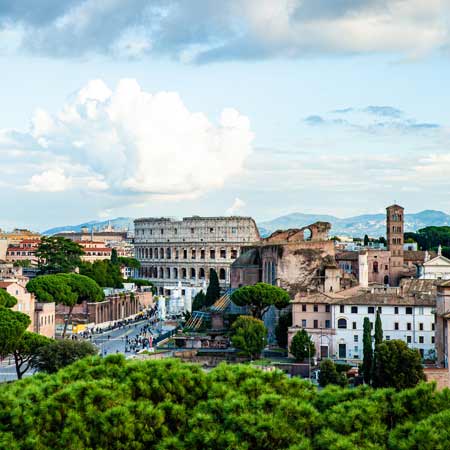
(211, 107)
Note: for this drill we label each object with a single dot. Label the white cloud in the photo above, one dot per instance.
(236, 29)
(133, 142)
(49, 181)
(236, 207)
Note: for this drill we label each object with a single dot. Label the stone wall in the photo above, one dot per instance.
(440, 376)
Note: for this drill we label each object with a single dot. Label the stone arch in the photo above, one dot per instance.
(161, 272)
(307, 234)
(386, 279)
(193, 273)
(156, 253)
(184, 273)
(201, 273)
(175, 273)
(168, 253)
(150, 253)
(168, 273)
(222, 274)
(161, 253)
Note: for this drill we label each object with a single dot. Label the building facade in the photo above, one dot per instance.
(335, 322)
(172, 251)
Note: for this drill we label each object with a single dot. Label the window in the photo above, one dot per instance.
(396, 310)
(211, 230)
(354, 310)
(304, 323)
(162, 231)
(421, 326)
(388, 338)
(408, 339)
(342, 323)
(408, 326)
(184, 254)
(327, 308)
(233, 253)
(223, 253)
(355, 338)
(327, 324)
(421, 340)
(396, 326)
(193, 253)
(408, 310)
(304, 308)
(432, 326)
(354, 325)
(192, 231)
(316, 308)
(202, 254)
(371, 310)
(341, 309)
(421, 310)
(375, 266)
(212, 254)
(432, 339)
(316, 324)
(380, 309)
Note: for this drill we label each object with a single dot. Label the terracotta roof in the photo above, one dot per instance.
(5, 284)
(417, 255)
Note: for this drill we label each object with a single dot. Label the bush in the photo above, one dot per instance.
(112, 403)
(330, 375)
(302, 346)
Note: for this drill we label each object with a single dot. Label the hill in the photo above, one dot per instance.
(120, 223)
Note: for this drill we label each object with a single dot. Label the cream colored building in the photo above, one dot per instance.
(25, 300)
(437, 268)
(172, 251)
(44, 319)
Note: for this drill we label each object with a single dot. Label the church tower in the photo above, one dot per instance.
(395, 240)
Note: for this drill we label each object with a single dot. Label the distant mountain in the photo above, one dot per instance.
(120, 223)
(373, 225)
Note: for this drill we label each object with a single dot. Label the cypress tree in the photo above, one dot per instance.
(213, 291)
(366, 240)
(114, 258)
(368, 352)
(378, 341)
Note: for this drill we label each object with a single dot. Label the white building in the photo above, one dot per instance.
(335, 320)
(437, 268)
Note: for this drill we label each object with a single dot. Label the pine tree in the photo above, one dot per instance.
(366, 240)
(368, 352)
(213, 291)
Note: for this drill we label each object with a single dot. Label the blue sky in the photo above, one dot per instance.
(250, 107)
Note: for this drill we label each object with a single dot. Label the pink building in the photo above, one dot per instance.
(25, 300)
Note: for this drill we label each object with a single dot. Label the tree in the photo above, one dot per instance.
(114, 258)
(302, 346)
(366, 240)
(132, 263)
(57, 354)
(26, 351)
(260, 297)
(13, 325)
(382, 240)
(378, 338)
(6, 299)
(249, 336)
(213, 291)
(199, 301)
(58, 255)
(281, 330)
(103, 272)
(22, 263)
(367, 351)
(397, 366)
(329, 375)
(67, 289)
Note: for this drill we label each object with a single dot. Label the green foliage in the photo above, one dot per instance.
(116, 404)
(55, 355)
(58, 255)
(329, 375)
(430, 238)
(114, 258)
(103, 272)
(132, 263)
(213, 291)
(13, 325)
(26, 351)
(6, 299)
(22, 263)
(367, 352)
(378, 329)
(65, 288)
(281, 330)
(199, 301)
(249, 336)
(260, 297)
(302, 346)
(397, 366)
(366, 240)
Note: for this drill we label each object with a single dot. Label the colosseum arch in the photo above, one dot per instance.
(184, 273)
(193, 273)
(201, 273)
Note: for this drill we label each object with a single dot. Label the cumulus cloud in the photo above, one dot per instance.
(129, 141)
(49, 181)
(236, 207)
(204, 31)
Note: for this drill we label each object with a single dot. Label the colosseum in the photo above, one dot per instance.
(172, 251)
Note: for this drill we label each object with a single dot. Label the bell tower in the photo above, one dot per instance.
(395, 240)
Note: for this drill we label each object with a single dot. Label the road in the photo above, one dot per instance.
(108, 342)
